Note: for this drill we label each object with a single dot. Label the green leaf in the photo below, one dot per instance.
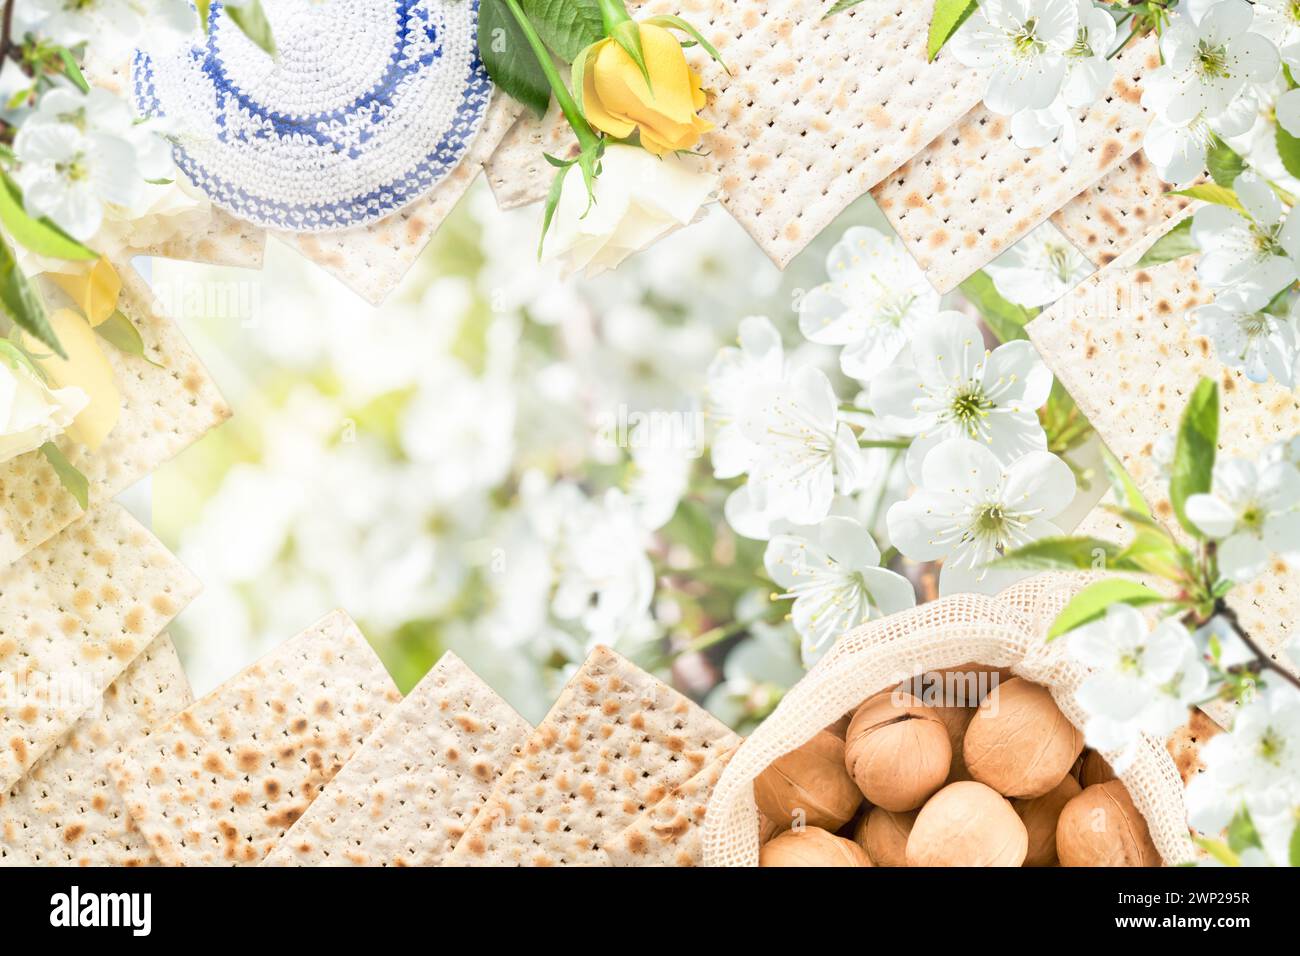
(839, 7)
(72, 71)
(1212, 193)
(121, 333)
(251, 19)
(671, 22)
(948, 16)
(1294, 850)
(204, 9)
(39, 235)
(509, 59)
(22, 302)
(628, 36)
(566, 26)
(1174, 244)
(1288, 148)
(1126, 490)
(552, 201)
(1091, 603)
(1004, 318)
(1217, 849)
(1061, 553)
(1242, 834)
(1198, 437)
(73, 481)
(1224, 163)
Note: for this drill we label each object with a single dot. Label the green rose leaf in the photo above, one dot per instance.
(1224, 163)
(566, 26)
(73, 481)
(21, 301)
(509, 59)
(1174, 244)
(39, 235)
(251, 19)
(1091, 603)
(1198, 437)
(121, 333)
(1288, 148)
(949, 15)
(1004, 318)
(1056, 554)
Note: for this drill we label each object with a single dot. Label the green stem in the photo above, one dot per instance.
(884, 443)
(587, 139)
(612, 13)
(723, 631)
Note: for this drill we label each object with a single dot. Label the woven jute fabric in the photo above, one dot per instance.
(1008, 630)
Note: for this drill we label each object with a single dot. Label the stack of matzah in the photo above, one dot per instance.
(616, 743)
(223, 780)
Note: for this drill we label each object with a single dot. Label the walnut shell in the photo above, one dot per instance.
(1019, 742)
(812, 846)
(898, 752)
(967, 824)
(1102, 827)
(884, 836)
(810, 784)
(1093, 768)
(1039, 816)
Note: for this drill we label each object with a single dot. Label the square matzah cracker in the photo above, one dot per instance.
(66, 812)
(406, 797)
(1121, 345)
(1130, 200)
(73, 614)
(373, 259)
(165, 407)
(671, 832)
(972, 192)
(816, 112)
(616, 742)
(222, 781)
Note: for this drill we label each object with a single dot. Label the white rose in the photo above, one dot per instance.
(640, 198)
(30, 413)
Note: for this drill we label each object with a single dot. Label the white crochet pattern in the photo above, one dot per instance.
(368, 105)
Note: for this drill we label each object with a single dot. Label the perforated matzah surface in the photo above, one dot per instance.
(616, 742)
(65, 812)
(815, 114)
(1121, 345)
(671, 832)
(222, 781)
(1129, 200)
(408, 795)
(77, 611)
(372, 260)
(165, 407)
(972, 192)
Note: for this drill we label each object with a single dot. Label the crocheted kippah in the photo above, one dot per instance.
(367, 106)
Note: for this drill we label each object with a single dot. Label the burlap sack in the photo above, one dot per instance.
(1004, 631)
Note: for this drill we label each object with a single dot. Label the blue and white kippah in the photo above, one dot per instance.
(368, 105)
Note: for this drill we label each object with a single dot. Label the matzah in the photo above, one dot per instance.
(1121, 345)
(616, 742)
(408, 795)
(817, 110)
(972, 192)
(671, 832)
(1104, 219)
(74, 613)
(66, 812)
(373, 260)
(222, 781)
(165, 407)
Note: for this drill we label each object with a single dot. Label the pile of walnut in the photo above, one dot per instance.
(1004, 783)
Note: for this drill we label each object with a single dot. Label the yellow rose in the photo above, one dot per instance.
(617, 99)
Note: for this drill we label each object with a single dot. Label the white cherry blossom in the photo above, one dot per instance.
(1022, 44)
(970, 509)
(875, 297)
(1039, 269)
(953, 387)
(759, 359)
(1245, 336)
(1253, 512)
(1258, 251)
(832, 573)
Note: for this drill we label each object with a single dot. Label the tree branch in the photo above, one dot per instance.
(7, 30)
(1266, 662)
